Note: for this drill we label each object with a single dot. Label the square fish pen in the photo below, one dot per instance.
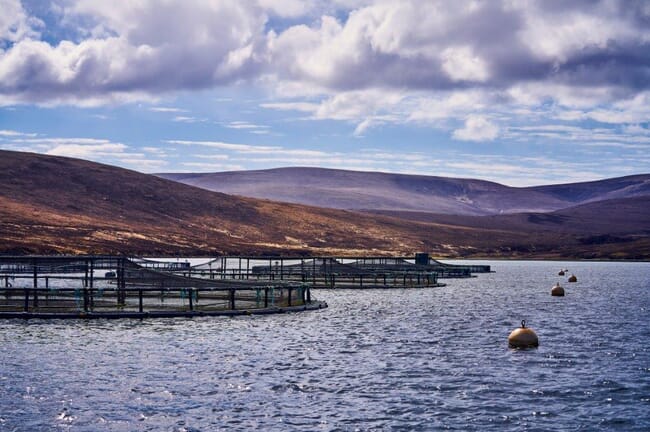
(331, 272)
(334, 273)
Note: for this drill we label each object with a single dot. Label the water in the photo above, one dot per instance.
(430, 359)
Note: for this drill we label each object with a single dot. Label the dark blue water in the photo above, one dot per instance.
(430, 359)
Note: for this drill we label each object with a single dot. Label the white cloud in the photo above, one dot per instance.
(241, 148)
(292, 106)
(85, 151)
(461, 64)
(364, 62)
(447, 105)
(557, 34)
(167, 109)
(636, 129)
(15, 24)
(203, 44)
(626, 138)
(250, 149)
(212, 156)
(208, 166)
(435, 45)
(13, 133)
(86, 148)
(363, 126)
(286, 8)
(245, 125)
(477, 128)
(188, 119)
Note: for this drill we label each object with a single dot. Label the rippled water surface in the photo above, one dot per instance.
(429, 359)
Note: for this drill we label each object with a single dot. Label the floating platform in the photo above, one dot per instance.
(118, 287)
(328, 272)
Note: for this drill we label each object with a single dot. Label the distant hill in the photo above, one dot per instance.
(615, 225)
(54, 204)
(355, 190)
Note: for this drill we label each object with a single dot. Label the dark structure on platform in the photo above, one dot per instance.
(117, 286)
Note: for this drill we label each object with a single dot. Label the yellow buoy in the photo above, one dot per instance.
(523, 337)
(561, 273)
(557, 290)
(573, 278)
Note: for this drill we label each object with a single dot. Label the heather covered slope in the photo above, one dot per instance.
(383, 191)
(54, 204)
(60, 205)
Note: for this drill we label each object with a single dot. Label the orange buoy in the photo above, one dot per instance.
(557, 290)
(573, 278)
(523, 337)
(561, 273)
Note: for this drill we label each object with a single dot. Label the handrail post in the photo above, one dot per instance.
(35, 284)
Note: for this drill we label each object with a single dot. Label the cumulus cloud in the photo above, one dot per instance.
(363, 62)
(461, 64)
(477, 128)
(208, 44)
(407, 44)
(15, 24)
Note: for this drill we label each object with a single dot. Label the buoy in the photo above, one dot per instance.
(573, 278)
(523, 337)
(557, 290)
(561, 273)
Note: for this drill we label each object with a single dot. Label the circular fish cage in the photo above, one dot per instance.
(118, 287)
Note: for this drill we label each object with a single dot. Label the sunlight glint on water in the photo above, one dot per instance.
(374, 360)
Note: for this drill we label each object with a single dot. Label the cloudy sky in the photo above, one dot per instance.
(518, 92)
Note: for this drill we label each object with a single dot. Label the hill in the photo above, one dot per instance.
(354, 190)
(618, 227)
(60, 205)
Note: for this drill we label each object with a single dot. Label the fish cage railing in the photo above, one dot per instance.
(288, 267)
(151, 301)
(358, 279)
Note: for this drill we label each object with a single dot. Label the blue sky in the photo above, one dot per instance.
(521, 93)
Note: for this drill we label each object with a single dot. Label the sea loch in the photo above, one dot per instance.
(403, 359)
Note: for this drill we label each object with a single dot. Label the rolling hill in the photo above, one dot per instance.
(54, 204)
(354, 190)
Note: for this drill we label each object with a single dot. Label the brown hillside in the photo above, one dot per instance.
(61, 205)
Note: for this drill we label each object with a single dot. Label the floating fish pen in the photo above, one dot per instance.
(329, 272)
(119, 287)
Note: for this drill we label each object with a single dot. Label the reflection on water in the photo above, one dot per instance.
(425, 359)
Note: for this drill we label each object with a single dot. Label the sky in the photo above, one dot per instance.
(518, 92)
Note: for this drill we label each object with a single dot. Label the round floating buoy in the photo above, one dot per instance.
(523, 337)
(573, 278)
(557, 290)
(561, 273)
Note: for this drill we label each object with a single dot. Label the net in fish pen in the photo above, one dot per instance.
(58, 288)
